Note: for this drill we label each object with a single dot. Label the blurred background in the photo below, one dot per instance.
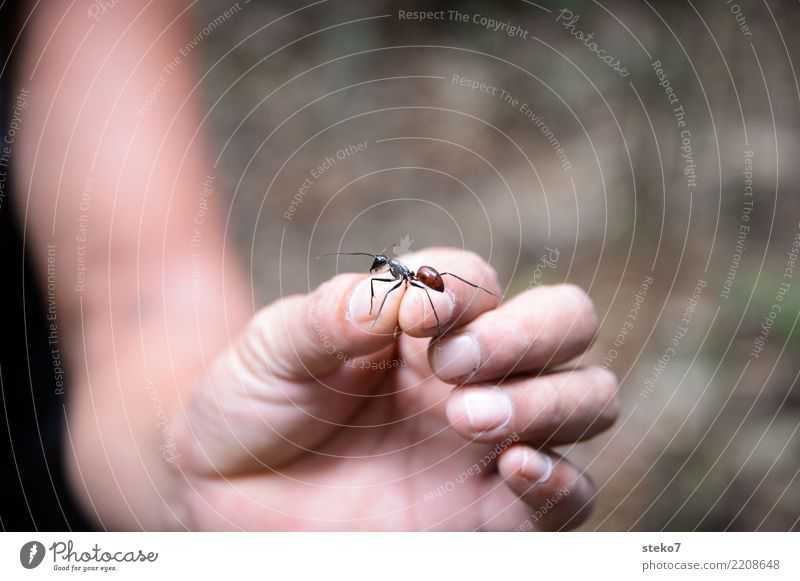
(644, 150)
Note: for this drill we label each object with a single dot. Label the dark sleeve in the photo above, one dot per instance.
(34, 495)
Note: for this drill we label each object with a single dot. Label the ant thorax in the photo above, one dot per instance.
(398, 270)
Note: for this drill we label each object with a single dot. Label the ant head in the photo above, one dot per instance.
(381, 260)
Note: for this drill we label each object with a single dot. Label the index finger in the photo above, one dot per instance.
(469, 287)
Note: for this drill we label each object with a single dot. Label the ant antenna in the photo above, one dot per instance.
(382, 252)
(347, 253)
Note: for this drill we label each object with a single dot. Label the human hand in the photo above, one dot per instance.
(316, 419)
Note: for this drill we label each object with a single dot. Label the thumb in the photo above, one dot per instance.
(291, 379)
(311, 335)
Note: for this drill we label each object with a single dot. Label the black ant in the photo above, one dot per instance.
(427, 275)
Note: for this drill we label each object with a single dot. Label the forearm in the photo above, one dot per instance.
(119, 193)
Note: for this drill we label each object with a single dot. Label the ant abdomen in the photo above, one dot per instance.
(431, 278)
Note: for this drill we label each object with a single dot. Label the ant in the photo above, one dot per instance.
(427, 275)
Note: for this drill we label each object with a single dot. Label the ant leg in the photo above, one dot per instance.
(469, 283)
(372, 289)
(383, 302)
(430, 300)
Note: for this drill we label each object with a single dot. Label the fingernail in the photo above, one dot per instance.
(487, 409)
(444, 305)
(456, 357)
(358, 305)
(536, 467)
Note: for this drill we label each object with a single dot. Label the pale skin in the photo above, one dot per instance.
(280, 419)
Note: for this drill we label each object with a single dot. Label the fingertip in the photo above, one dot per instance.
(375, 315)
(559, 495)
(313, 334)
(585, 320)
(526, 464)
(424, 312)
(470, 288)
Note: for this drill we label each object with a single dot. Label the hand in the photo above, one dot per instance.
(315, 419)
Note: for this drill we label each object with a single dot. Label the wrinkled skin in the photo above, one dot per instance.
(297, 427)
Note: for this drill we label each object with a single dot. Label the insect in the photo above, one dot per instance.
(399, 271)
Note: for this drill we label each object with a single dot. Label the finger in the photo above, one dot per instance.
(550, 409)
(290, 380)
(459, 303)
(558, 495)
(540, 328)
(239, 421)
(311, 335)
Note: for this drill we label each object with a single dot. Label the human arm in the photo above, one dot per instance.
(120, 192)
